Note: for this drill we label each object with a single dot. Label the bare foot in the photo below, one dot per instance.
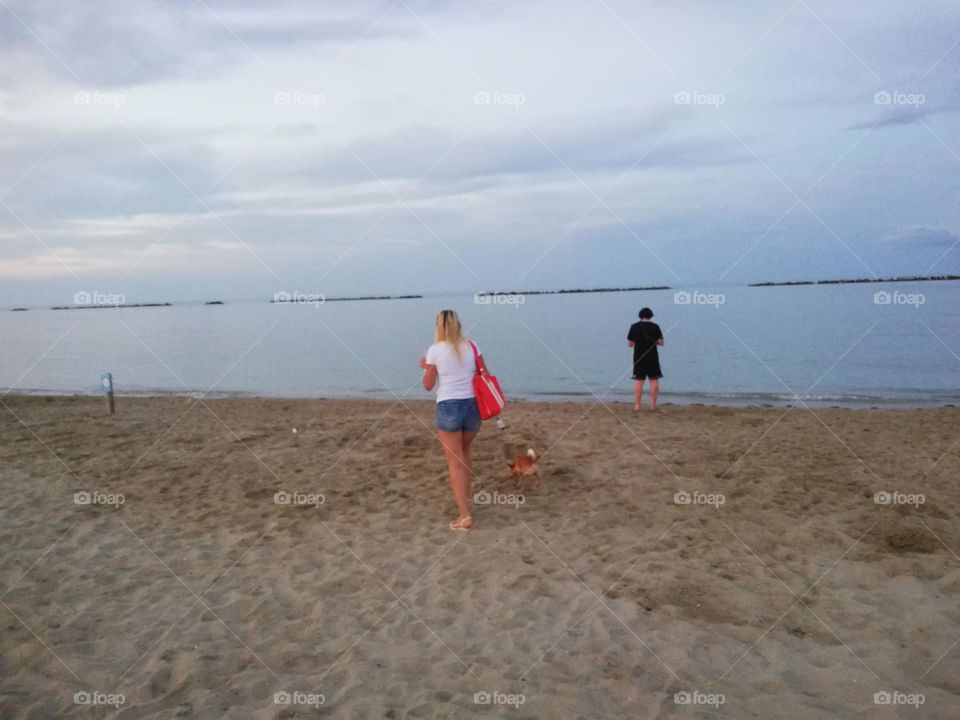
(462, 524)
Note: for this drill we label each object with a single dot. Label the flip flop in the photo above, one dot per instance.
(459, 524)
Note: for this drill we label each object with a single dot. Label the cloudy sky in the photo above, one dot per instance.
(229, 149)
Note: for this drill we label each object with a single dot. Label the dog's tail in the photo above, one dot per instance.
(532, 455)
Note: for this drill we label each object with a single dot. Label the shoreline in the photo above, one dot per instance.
(675, 400)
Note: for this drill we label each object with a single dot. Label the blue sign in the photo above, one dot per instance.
(106, 382)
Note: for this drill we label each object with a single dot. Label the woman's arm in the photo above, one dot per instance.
(429, 374)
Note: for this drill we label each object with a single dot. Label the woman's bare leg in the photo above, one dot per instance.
(465, 441)
(453, 451)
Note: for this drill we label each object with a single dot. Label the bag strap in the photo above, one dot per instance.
(476, 356)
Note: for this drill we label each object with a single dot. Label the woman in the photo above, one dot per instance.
(450, 366)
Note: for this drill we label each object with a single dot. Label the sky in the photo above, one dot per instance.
(223, 149)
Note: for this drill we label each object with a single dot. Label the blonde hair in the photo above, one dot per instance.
(450, 331)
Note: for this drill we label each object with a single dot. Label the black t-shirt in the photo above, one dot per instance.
(644, 335)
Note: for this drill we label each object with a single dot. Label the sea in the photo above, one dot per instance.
(847, 345)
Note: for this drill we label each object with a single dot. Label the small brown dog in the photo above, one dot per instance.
(523, 467)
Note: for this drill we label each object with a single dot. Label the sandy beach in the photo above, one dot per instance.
(204, 560)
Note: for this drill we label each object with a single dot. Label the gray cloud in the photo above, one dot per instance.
(902, 116)
(308, 188)
(924, 235)
(121, 44)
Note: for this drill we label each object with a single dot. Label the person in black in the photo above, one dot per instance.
(644, 336)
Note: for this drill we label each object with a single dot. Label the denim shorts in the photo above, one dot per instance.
(456, 415)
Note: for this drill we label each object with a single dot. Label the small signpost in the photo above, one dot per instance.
(106, 384)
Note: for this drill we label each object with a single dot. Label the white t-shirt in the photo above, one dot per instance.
(454, 375)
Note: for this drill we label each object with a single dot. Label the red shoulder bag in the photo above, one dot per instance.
(490, 398)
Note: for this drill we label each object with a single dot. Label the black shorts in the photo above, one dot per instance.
(647, 367)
